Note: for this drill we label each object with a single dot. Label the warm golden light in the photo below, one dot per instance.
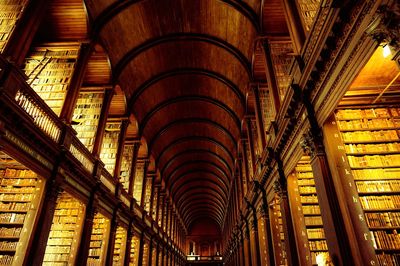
(386, 51)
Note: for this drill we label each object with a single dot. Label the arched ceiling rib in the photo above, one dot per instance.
(185, 67)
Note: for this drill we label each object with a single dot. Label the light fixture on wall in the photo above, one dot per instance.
(386, 51)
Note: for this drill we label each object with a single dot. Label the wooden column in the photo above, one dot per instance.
(271, 77)
(75, 84)
(120, 149)
(339, 245)
(265, 234)
(255, 246)
(246, 242)
(21, 39)
(84, 244)
(246, 165)
(262, 137)
(102, 122)
(141, 249)
(290, 239)
(151, 247)
(157, 253)
(295, 25)
(111, 237)
(40, 236)
(136, 147)
(129, 242)
(241, 249)
(143, 196)
(251, 147)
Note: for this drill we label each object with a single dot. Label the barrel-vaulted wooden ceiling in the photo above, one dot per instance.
(185, 67)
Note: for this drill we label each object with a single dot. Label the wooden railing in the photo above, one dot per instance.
(81, 153)
(42, 116)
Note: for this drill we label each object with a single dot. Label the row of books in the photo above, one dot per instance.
(7, 245)
(318, 245)
(376, 174)
(388, 259)
(380, 202)
(16, 197)
(378, 186)
(14, 206)
(367, 113)
(315, 233)
(368, 124)
(359, 136)
(313, 220)
(305, 182)
(119, 246)
(310, 209)
(383, 219)
(7, 232)
(12, 217)
(371, 148)
(20, 173)
(309, 199)
(374, 160)
(385, 240)
(307, 189)
(18, 182)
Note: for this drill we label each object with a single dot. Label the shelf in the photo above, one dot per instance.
(382, 210)
(374, 167)
(314, 226)
(370, 129)
(372, 153)
(16, 211)
(319, 250)
(374, 228)
(5, 223)
(388, 250)
(379, 193)
(309, 203)
(371, 141)
(316, 238)
(9, 237)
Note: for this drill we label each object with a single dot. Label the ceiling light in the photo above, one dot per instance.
(386, 51)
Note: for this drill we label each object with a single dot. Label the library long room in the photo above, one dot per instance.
(202, 132)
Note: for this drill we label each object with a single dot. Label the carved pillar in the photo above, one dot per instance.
(255, 246)
(246, 242)
(136, 147)
(102, 122)
(295, 25)
(338, 242)
(265, 234)
(290, 239)
(72, 94)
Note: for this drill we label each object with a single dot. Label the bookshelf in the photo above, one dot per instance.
(49, 68)
(65, 232)
(278, 234)
(119, 246)
(308, 9)
(126, 165)
(370, 139)
(10, 13)
(134, 253)
(86, 116)
(98, 240)
(21, 192)
(109, 147)
(282, 55)
(147, 195)
(154, 204)
(305, 202)
(138, 182)
(146, 250)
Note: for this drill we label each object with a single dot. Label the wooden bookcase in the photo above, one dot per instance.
(49, 68)
(119, 246)
(86, 115)
(109, 148)
(146, 250)
(371, 144)
(138, 182)
(126, 165)
(306, 213)
(134, 253)
(65, 232)
(308, 10)
(278, 234)
(99, 240)
(21, 192)
(147, 195)
(10, 13)
(282, 55)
